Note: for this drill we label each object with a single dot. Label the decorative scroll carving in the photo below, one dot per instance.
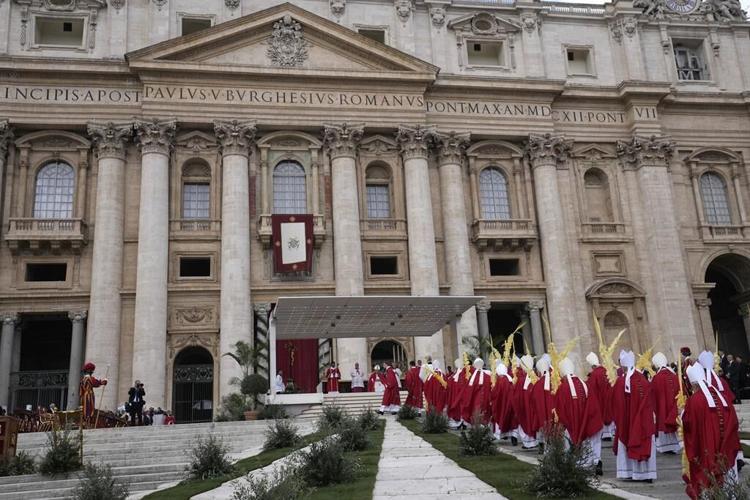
(546, 149)
(415, 142)
(6, 135)
(235, 137)
(693, 10)
(117, 4)
(531, 23)
(640, 151)
(193, 317)
(378, 145)
(338, 7)
(209, 341)
(110, 138)
(287, 47)
(403, 9)
(156, 136)
(343, 140)
(232, 4)
(160, 3)
(451, 147)
(437, 14)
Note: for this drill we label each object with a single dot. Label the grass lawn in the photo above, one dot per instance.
(502, 471)
(188, 488)
(361, 488)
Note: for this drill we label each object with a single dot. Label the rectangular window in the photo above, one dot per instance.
(383, 265)
(688, 58)
(56, 31)
(37, 272)
(195, 267)
(196, 199)
(504, 267)
(579, 62)
(373, 34)
(378, 201)
(485, 53)
(193, 24)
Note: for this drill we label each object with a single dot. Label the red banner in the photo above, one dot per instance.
(298, 362)
(292, 237)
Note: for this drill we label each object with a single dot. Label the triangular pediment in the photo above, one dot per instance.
(284, 38)
(483, 23)
(593, 152)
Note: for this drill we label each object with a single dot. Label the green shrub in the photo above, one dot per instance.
(63, 455)
(351, 436)
(477, 439)
(564, 470)
(434, 423)
(324, 463)
(407, 412)
(284, 483)
(97, 483)
(368, 420)
(208, 459)
(19, 465)
(232, 408)
(272, 412)
(725, 486)
(281, 434)
(331, 418)
(252, 386)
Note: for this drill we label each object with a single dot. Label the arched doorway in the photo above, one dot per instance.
(730, 275)
(614, 323)
(192, 398)
(388, 350)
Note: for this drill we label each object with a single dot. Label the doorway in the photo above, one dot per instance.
(388, 350)
(730, 275)
(193, 386)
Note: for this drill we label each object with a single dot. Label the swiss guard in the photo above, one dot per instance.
(86, 390)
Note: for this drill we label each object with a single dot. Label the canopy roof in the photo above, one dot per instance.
(366, 316)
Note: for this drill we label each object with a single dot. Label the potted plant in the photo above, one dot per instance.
(251, 384)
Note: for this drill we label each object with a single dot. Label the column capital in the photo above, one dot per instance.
(451, 147)
(547, 149)
(343, 140)
(262, 308)
(645, 151)
(535, 305)
(155, 136)
(415, 142)
(8, 318)
(110, 138)
(235, 137)
(77, 316)
(6, 135)
(483, 306)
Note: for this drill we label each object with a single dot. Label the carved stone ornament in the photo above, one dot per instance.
(6, 135)
(159, 3)
(77, 316)
(156, 136)
(8, 318)
(235, 137)
(287, 47)
(645, 151)
(627, 26)
(110, 138)
(451, 147)
(209, 341)
(415, 142)
(232, 4)
(193, 315)
(343, 140)
(546, 149)
(531, 23)
(65, 5)
(378, 146)
(437, 14)
(403, 9)
(693, 10)
(117, 4)
(338, 7)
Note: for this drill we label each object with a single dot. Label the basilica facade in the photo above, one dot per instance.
(559, 160)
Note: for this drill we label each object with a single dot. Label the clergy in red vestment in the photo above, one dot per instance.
(578, 412)
(711, 432)
(665, 386)
(706, 360)
(687, 362)
(435, 386)
(542, 399)
(601, 389)
(457, 384)
(523, 406)
(633, 411)
(414, 386)
(86, 389)
(501, 398)
(479, 394)
(333, 375)
(376, 382)
(391, 399)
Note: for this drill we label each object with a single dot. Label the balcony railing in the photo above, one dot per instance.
(38, 234)
(383, 228)
(195, 226)
(724, 233)
(264, 230)
(505, 233)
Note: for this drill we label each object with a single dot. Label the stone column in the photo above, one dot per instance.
(544, 154)
(6, 136)
(415, 143)
(707, 328)
(450, 148)
(76, 358)
(150, 333)
(342, 142)
(484, 328)
(236, 315)
(649, 157)
(744, 310)
(105, 305)
(7, 333)
(537, 331)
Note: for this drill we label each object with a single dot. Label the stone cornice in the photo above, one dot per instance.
(451, 147)
(110, 138)
(343, 140)
(415, 142)
(6, 135)
(156, 136)
(547, 149)
(645, 151)
(235, 137)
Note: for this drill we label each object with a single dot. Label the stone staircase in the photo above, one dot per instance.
(351, 402)
(141, 457)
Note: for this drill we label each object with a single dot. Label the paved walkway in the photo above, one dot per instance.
(411, 468)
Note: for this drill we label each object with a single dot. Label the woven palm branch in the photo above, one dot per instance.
(606, 351)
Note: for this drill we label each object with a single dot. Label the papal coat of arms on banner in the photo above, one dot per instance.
(292, 237)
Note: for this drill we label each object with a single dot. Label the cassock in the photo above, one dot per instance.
(391, 399)
(522, 404)
(434, 389)
(414, 386)
(711, 433)
(601, 389)
(479, 391)
(665, 387)
(457, 387)
(706, 360)
(542, 400)
(86, 389)
(633, 411)
(501, 397)
(333, 375)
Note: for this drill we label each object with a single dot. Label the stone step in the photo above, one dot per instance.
(55, 493)
(129, 479)
(115, 444)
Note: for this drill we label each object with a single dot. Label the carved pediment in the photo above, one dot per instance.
(196, 141)
(53, 140)
(593, 152)
(615, 288)
(484, 23)
(494, 150)
(378, 145)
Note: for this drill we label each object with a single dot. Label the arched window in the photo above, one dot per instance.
(614, 323)
(493, 194)
(598, 203)
(196, 190)
(715, 199)
(289, 194)
(55, 188)
(378, 187)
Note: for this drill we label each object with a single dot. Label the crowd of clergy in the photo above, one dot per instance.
(643, 405)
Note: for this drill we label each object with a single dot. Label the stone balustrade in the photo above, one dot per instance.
(195, 226)
(54, 234)
(383, 228)
(724, 233)
(509, 233)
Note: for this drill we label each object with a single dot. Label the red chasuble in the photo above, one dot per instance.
(664, 389)
(543, 402)
(374, 376)
(479, 391)
(457, 384)
(634, 416)
(502, 404)
(711, 440)
(391, 396)
(579, 414)
(522, 404)
(466, 394)
(435, 393)
(599, 388)
(414, 386)
(332, 376)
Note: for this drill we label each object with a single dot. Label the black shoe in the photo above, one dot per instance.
(514, 441)
(394, 413)
(670, 452)
(648, 481)
(599, 468)
(607, 439)
(380, 412)
(740, 465)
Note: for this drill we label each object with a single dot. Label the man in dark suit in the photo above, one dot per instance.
(135, 403)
